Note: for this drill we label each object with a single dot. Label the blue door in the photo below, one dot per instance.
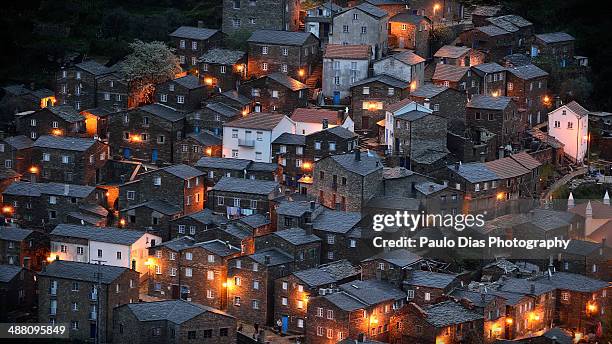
(154, 155)
(336, 97)
(285, 323)
(127, 153)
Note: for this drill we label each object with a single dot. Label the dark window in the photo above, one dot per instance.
(207, 334)
(343, 180)
(322, 174)
(191, 335)
(223, 332)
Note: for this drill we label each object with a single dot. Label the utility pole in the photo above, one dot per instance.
(98, 289)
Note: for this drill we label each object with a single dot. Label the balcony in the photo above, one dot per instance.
(246, 143)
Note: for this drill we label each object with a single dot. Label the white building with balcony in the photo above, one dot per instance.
(570, 125)
(251, 137)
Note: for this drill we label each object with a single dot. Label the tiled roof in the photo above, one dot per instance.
(102, 234)
(486, 11)
(234, 95)
(408, 18)
(64, 142)
(366, 165)
(163, 111)
(287, 81)
(255, 220)
(206, 138)
(257, 120)
(160, 206)
(276, 257)
(526, 160)
(517, 59)
(398, 105)
(223, 163)
(506, 168)
(205, 217)
(8, 272)
(189, 81)
(183, 171)
(354, 52)
(474, 172)
(329, 273)
(311, 115)
(222, 56)
(37, 189)
(480, 101)
(399, 257)
(479, 299)
(448, 313)
(336, 221)
(259, 166)
(237, 232)
(555, 37)
(83, 271)
(14, 234)
(490, 67)
(66, 112)
(428, 188)
(524, 286)
(248, 186)
(290, 139)
(428, 90)
(223, 109)
(527, 72)
(383, 78)
(218, 247)
(94, 209)
(396, 172)
(174, 311)
(293, 208)
(192, 32)
(94, 67)
(408, 57)
(430, 279)
(451, 51)
(449, 72)
(274, 37)
(19, 142)
(577, 108)
(492, 30)
(412, 115)
(297, 236)
(573, 282)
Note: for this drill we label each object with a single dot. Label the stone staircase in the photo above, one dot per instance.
(314, 79)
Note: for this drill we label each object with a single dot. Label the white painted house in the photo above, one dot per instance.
(111, 246)
(570, 125)
(397, 109)
(251, 137)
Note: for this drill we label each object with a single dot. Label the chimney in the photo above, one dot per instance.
(266, 259)
(357, 154)
(532, 289)
(483, 157)
(570, 201)
(66, 189)
(200, 24)
(308, 228)
(325, 123)
(558, 102)
(457, 165)
(312, 206)
(501, 152)
(427, 103)
(606, 199)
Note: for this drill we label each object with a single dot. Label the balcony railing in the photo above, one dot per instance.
(246, 143)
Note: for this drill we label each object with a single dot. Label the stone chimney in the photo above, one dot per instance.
(606, 199)
(357, 154)
(427, 103)
(501, 152)
(200, 24)
(325, 123)
(570, 201)
(558, 102)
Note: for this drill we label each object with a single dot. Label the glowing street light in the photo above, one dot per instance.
(33, 169)
(7, 209)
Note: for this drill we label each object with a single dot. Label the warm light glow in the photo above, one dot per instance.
(149, 262)
(107, 194)
(135, 138)
(244, 112)
(50, 259)
(33, 169)
(592, 307)
(208, 81)
(413, 86)
(533, 316)
(509, 321)
(497, 329)
(373, 320)
(301, 72)
(56, 132)
(500, 196)
(495, 93)
(224, 284)
(209, 151)
(436, 7)
(577, 337)
(546, 99)
(439, 341)
(306, 166)
(239, 67)
(48, 101)
(122, 222)
(7, 209)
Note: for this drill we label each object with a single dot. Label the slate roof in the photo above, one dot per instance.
(234, 95)
(206, 138)
(94, 67)
(367, 164)
(257, 120)
(517, 59)
(277, 257)
(506, 168)
(412, 115)
(399, 257)
(38, 189)
(474, 172)
(205, 217)
(178, 244)
(474, 297)
(312, 115)
(263, 166)
(555, 37)
(297, 236)
(8, 272)
(527, 72)
(163, 111)
(451, 51)
(560, 336)
(577, 108)
(8, 173)
(353, 52)
(218, 247)
(160, 206)
(371, 10)
(17, 90)
(189, 81)
(576, 247)
(480, 101)
(524, 286)
(255, 220)
(19, 142)
(449, 72)
(345, 301)
(64, 142)
(336, 221)
(222, 56)
(430, 279)
(247, 186)
(223, 163)
(192, 32)
(408, 18)
(486, 11)
(290, 139)
(372, 292)
(428, 188)
(86, 218)
(428, 90)
(174, 311)
(449, 313)
(83, 271)
(235, 231)
(573, 282)
(66, 112)
(293, 208)
(330, 273)
(296, 38)
(287, 81)
(183, 171)
(14, 234)
(492, 30)
(341, 132)
(223, 109)
(408, 57)
(383, 78)
(102, 234)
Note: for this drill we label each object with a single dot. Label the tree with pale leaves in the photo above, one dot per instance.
(150, 63)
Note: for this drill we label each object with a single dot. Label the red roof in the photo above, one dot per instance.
(506, 168)
(526, 160)
(257, 120)
(308, 115)
(340, 51)
(398, 105)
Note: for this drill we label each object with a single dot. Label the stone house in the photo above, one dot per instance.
(235, 100)
(457, 56)
(237, 196)
(438, 12)
(477, 182)
(342, 66)
(439, 198)
(392, 266)
(392, 7)
(148, 133)
(339, 232)
(518, 176)
(276, 92)
(247, 16)
(192, 42)
(15, 153)
(527, 85)
(223, 68)
(410, 31)
(585, 257)
(295, 213)
(362, 24)
(68, 160)
(455, 77)
(357, 309)
(217, 168)
(489, 79)
(19, 98)
(304, 246)
(250, 284)
(153, 216)
(337, 179)
(17, 292)
(481, 13)
(23, 247)
(556, 46)
(292, 53)
(425, 288)
(445, 102)
(213, 115)
(318, 20)
(499, 115)
(116, 92)
(331, 141)
(168, 321)
(197, 145)
(83, 295)
(292, 293)
(77, 85)
(370, 98)
(522, 30)
(182, 94)
(288, 153)
(195, 225)
(493, 41)
(54, 120)
(405, 65)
